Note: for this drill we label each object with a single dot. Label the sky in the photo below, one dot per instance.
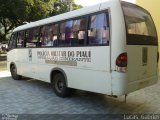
(92, 2)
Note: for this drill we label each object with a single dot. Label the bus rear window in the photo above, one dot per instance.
(139, 24)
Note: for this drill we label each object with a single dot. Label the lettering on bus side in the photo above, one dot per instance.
(69, 58)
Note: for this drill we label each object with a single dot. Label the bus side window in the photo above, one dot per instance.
(55, 34)
(49, 35)
(20, 39)
(98, 32)
(32, 37)
(12, 42)
(66, 34)
(72, 32)
(78, 32)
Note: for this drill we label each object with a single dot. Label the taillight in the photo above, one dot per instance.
(121, 62)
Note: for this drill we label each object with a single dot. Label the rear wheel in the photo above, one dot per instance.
(14, 74)
(60, 86)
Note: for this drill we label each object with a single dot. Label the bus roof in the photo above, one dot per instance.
(67, 15)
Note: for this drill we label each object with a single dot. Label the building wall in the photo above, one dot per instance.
(153, 6)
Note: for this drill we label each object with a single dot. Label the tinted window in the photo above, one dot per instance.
(140, 27)
(78, 32)
(72, 32)
(12, 42)
(87, 30)
(49, 35)
(20, 39)
(32, 37)
(65, 33)
(98, 31)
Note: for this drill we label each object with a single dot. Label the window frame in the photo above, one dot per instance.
(27, 37)
(22, 46)
(107, 13)
(40, 33)
(72, 19)
(86, 40)
(11, 41)
(133, 39)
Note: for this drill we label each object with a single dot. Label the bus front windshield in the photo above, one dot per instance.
(139, 24)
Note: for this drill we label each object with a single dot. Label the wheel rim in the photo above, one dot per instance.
(59, 85)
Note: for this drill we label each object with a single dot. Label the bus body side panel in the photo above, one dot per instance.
(94, 81)
(95, 75)
(10, 58)
(142, 67)
(91, 71)
(20, 57)
(118, 46)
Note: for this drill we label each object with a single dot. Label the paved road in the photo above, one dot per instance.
(30, 96)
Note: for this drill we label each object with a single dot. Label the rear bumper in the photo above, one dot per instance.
(121, 86)
(139, 84)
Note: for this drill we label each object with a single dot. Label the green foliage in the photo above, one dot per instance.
(16, 12)
(9, 12)
(75, 6)
(39, 9)
(61, 7)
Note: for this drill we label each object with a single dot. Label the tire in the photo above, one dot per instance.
(60, 86)
(14, 74)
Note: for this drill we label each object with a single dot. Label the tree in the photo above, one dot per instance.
(39, 9)
(9, 12)
(61, 7)
(16, 12)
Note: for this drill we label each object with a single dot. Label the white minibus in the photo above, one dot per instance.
(110, 48)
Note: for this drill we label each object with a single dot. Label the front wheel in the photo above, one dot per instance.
(60, 86)
(14, 74)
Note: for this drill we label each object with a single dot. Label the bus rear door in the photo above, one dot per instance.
(142, 47)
